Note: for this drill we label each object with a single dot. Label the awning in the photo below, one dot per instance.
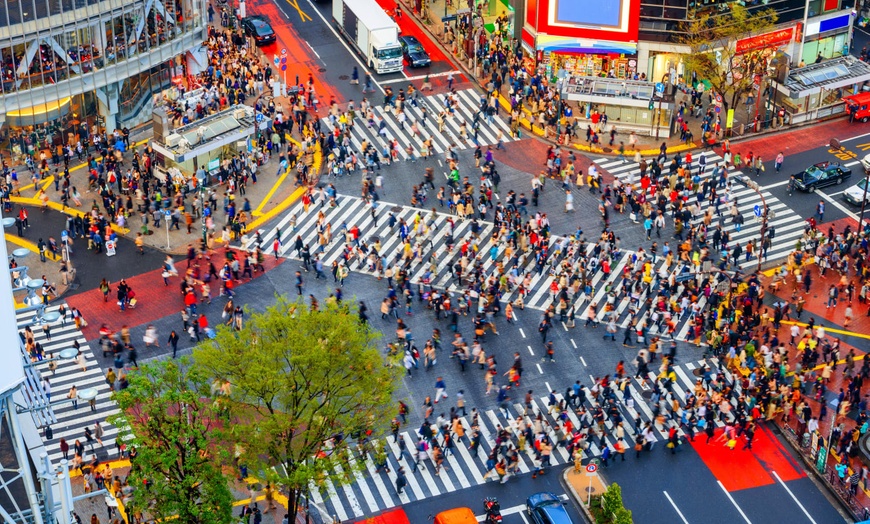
(829, 74)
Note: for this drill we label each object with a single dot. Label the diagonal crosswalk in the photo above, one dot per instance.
(789, 226)
(437, 261)
(373, 490)
(71, 422)
(468, 105)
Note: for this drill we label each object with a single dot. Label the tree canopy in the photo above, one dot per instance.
(166, 413)
(299, 385)
(715, 56)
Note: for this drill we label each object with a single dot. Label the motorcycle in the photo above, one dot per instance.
(493, 510)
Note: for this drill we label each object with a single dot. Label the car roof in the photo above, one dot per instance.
(409, 39)
(256, 21)
(544, 496)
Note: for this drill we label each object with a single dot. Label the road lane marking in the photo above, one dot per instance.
(734, 502)
(583, 361)
(837, 204)
(548, 386)
(420, 77)
(539, 369)
(855, 163)
(313, 51)
(680, 513)
(523, 333)
(573, 343)
(854, 138)
(530, 351)
(776, 184)
(796, 501)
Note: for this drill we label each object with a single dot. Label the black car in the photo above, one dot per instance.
(547, 508)
(821, 175)
(412, 50)
(259, 29)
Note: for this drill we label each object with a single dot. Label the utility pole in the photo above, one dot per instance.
(766, 213)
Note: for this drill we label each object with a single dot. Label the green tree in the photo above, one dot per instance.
(167, 415)
(611, 501)
(714, 54)
(623, 516)
(294, 380)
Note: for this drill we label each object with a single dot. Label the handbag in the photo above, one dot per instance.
(638, 446)
(632, 216)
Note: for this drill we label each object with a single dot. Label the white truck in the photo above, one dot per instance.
(371, 31)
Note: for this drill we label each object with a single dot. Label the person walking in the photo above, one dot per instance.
(440, 389)
(173, 342)
(98, 432)
(820, 211)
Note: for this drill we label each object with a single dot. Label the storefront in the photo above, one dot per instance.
(567, 35)
(827, 36)
(817, 90)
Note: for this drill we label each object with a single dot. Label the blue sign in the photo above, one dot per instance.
(260, 117)
(284, 51)
(283, 59)
(276, 61)
(757, 209)
(283, 67)
(168, 214)
(660, 88)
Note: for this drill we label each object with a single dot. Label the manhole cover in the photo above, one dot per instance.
(323, 70)
(589, 489)
(343, 77)
(647, 394)
(698, 372)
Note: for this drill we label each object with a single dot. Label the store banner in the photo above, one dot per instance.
(766, 40)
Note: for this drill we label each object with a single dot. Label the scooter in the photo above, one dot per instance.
(493, 510)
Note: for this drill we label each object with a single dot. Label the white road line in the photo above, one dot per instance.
(573, 343)
(530, 350)
(837, 204)
(796, 501)
(838, 193)
(855, 163)
(313, 51)
(776, 184)
(680, 513)
(734, 502)
(419, 77)
(548, 386)
(539, 369)
(854, 138)
(523, 333)
(583, 362)
(346, 46)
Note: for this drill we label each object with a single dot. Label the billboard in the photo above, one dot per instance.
(12, 371)
(614, 20)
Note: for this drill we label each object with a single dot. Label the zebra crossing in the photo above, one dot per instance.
(469, 103)
(353, 211)
(371, 490)
(789, 226)
(70, 422)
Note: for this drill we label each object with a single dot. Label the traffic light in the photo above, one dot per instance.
(651, 104)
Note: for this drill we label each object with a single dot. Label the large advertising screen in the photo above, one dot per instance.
(614, 20)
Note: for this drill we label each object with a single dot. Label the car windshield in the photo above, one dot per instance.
(415, 48)
(263, 29)
(392, 52)
(862, 184)
(813, 173)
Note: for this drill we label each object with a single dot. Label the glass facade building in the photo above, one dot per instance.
(69, 68)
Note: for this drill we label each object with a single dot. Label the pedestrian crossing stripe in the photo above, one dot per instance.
(469, 103)
(789, 225)
(353, 211)
(71, 422)
(371, 491)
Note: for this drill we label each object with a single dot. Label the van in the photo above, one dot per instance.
(456, 516)
(396, 516)
(858, 106)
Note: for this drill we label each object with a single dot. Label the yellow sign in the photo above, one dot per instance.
(729, 120)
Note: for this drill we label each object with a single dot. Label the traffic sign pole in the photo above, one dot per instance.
(591, 469)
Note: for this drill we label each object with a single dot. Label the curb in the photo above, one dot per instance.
(578, 500)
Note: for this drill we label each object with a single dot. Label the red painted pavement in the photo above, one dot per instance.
(408, 27)
(800, 139)
(301, 60)
(154, 299)
(739, 469)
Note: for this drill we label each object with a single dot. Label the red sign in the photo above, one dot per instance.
(772, 39)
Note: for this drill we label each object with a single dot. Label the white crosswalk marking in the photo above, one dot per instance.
(788, 225)
(71, 422)
(467, 111)
(354, 212)
(464, 469)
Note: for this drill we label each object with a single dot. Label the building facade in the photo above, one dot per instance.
(71, 68)
(628, 38)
